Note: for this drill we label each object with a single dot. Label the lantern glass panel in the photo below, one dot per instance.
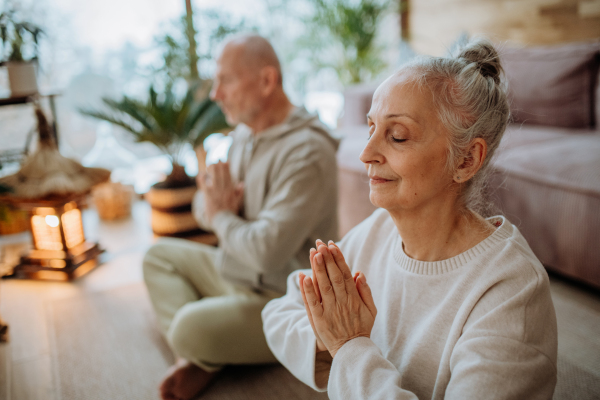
(46, 237)
(73, 228)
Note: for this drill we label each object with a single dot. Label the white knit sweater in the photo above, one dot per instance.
(480, 325)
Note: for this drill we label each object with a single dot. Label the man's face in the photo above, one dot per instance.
(236, 87)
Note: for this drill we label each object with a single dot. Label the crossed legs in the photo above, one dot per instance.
(208, 322)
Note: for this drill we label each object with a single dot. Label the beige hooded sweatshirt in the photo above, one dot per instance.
(290, 200)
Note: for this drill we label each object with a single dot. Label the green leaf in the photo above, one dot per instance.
(163, 119)
(213, 120)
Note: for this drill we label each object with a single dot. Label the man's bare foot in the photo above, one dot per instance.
(184, 381)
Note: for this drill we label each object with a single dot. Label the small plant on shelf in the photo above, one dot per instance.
(20, 39)
(19, 50)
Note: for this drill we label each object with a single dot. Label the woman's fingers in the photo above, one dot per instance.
(302, 277)
(320, 345)
(365, 293)
(316, 308)
(322, 281)
(336, 277)
(313, 252)
(343, 267)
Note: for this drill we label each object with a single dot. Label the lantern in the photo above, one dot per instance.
(60, 251)
(50, 187)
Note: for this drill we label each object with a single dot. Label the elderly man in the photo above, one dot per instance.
(276, 195)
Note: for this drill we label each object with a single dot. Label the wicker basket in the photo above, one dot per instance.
(13, 220)
(113, 200)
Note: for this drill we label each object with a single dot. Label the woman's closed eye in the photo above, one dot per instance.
(398, 134)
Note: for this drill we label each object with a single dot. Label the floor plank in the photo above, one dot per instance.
(23, 311)
(5, 375)
(32, 379)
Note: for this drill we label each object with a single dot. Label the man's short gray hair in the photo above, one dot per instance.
(469, 92)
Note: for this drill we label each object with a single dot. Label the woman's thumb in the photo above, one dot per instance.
(365, 293)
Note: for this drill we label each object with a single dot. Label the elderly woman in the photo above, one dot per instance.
(456, 306)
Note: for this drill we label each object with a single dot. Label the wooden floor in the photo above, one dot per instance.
(26, 372)
(26, 366)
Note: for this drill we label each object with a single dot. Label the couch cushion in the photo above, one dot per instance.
(353, 201)
(554, 85)
(517, 135)
(357, 103)
(354, 140)
(551, 190)
(570, 163)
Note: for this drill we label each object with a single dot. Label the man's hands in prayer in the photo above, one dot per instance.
(340, 307)
(220, 194)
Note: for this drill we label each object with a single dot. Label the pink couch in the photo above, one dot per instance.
(547, 171)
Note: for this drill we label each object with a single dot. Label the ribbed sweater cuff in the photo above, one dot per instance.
(347, 356)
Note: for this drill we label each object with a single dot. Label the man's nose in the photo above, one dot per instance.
(215, 92)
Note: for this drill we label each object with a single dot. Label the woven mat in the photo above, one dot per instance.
(575, 382)
(107, 346)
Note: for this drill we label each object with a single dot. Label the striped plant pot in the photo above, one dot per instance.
(172, 211)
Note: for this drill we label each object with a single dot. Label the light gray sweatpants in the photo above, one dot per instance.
(206, 320)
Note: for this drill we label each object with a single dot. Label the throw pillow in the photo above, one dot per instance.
(553, 85)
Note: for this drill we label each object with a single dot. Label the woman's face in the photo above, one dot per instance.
(406, 153)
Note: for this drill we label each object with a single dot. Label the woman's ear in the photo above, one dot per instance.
(472, 161)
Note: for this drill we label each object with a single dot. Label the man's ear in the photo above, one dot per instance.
(472, 161)
(269, 80)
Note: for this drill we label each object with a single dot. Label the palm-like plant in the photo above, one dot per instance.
(349, 43)
(167, 122)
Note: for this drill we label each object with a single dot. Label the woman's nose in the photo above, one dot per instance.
(371, 154)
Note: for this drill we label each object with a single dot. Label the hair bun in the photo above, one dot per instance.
(483, 52)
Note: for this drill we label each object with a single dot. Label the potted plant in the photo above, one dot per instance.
(171, 124)
(342, 36)
(19, 52)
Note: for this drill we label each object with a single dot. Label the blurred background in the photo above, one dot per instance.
(94, 49)
(114, 48)
(112, 78)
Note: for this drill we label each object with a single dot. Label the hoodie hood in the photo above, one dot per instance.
(298, 119)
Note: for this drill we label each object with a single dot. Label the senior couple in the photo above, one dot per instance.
(426, 298)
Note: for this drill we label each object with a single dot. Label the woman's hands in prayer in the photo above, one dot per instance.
(340, 307)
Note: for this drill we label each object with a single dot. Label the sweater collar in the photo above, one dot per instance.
(503, 231)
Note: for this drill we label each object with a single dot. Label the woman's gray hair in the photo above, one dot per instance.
(469, 92)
